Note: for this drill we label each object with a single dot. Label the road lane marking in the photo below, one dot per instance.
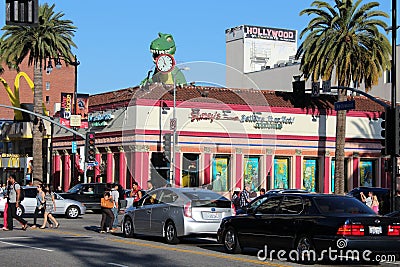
(221, 256)
(116, 264)
(15, 237)
(19, 245)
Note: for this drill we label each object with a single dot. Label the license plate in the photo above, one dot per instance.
(212, 215)
(375, 230)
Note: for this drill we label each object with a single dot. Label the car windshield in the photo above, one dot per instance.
(208, 199)
(75, 189)
(341, 205)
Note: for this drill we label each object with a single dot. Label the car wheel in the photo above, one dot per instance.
(20, 210)
(231, 241)
(72, 212)
(306, 250)
(127, 227)
(170, 234)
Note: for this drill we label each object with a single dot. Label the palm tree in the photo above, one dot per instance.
(346, 39)
(52, 38)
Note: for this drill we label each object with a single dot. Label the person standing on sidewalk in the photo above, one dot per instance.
(14, 192)
(115, 197)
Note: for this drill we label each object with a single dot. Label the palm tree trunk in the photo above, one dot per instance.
(340, 143)
(38, 127)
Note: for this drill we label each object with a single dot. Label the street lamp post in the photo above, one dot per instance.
(393, 157)
(74, 63)
(175, 124)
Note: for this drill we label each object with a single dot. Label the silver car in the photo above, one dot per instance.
(176, 212)
(68, 207)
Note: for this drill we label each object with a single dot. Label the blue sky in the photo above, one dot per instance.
(113, 37)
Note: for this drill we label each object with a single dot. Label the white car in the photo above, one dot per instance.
(68, 207)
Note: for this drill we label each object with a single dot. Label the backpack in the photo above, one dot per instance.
(21, 193)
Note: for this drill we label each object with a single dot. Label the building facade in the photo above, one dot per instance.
(225, 138)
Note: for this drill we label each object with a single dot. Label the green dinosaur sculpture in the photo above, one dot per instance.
(164, 44)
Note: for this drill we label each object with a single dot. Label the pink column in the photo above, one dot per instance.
(142, 167)
(110, 166)
(207, 168)
(97, 168)
(67, 171)
(239, 171)
(56, 170)
(131, 169)
(122, 168)
(327, 174)
(356, 162)
(177, 169)
(268, 168)
(298, 172)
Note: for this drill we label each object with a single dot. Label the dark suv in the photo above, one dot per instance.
(383, 195)
(89, 194)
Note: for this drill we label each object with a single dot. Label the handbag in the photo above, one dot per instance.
(106, 203)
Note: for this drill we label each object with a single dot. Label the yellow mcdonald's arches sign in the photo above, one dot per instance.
(13, 161)
(14, 96)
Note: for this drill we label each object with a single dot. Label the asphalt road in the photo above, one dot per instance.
(79, 243)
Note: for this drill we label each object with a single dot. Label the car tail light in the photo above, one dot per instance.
(394, 230)
(187, 210)
(233, 209)
(351, 230)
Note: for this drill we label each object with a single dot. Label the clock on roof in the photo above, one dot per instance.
(165, 63)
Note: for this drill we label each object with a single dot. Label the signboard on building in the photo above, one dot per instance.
(264, 47)
(66, 108)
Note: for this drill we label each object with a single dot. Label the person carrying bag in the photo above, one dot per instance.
(106, 206)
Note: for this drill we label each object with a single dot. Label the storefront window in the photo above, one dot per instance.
(220, 173)
(190, 170)
(367, 173)
(251, 172)
(281, 173)
(310, 174)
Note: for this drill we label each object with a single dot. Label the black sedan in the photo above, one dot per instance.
(310, 222)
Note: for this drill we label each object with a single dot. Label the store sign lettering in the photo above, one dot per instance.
(259, 121)
(196, 115)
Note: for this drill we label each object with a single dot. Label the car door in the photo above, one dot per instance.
(29, 202)
(284, 224)
(86, 195)
(142, 215)
(163, 199)
(256, 231)
(60, 204)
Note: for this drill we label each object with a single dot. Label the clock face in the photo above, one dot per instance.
(165, 63)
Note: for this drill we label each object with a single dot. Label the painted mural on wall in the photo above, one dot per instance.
(366, 173)
(309, 174)
(220, 174)
(251, 170)
(281, 173)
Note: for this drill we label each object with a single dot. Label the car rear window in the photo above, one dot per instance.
(208, 199)
(341, 205)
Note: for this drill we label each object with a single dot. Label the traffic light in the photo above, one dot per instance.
(299, 87)
(90, 148)
(388, 132)
(167, 146)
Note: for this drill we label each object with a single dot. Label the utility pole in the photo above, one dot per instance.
(393, 158)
